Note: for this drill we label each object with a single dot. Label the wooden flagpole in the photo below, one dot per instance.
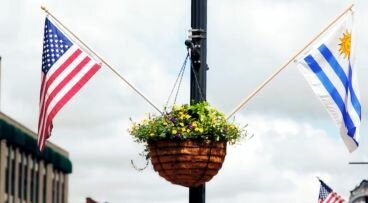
(277, 71)
(101, 59)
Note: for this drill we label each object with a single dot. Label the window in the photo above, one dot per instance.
(25, 177)
(20, 178)
(57, 189)
(53, 188)
(63, 191)
(32, 179)
(7, 171)
(37, 172)
(12, 187)
(44, 186)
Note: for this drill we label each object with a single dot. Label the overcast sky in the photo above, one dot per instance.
(294, 141)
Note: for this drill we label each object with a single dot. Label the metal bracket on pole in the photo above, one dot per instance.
(193, 43)
(197, 34)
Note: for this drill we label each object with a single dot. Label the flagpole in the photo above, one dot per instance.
(101, 59)
(277, 71)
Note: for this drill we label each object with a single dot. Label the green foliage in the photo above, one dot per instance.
(198, 121)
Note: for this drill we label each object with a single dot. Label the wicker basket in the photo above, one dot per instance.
(189, 163)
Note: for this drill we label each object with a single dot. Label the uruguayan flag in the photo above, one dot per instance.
(329, 69)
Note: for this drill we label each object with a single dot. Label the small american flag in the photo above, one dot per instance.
(326, 195)
(65, 70)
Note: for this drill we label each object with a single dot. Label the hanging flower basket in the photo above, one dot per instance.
(187, 145)
(188, 163)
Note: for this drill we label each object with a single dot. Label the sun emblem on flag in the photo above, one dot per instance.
(345, 44)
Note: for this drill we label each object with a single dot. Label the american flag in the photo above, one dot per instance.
(65, 70)
(326, 195)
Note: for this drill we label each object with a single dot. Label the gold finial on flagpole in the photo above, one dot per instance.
(351, 7)
(44, 9)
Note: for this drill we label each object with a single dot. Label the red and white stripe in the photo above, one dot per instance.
(65, 78)
(333, 197)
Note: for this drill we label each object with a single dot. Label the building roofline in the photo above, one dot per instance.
(21, 136)
(31, 133)
(360, 184)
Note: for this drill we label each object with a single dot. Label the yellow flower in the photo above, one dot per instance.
(174, 132)
(181, 124)
(176, 108)
(182, 115)
(183, 129)
(187, 116)
(132, 128)
(194, 124)
(199, 130)
(152, 134)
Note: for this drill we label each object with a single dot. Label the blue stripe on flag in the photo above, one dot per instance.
(315, 67)
(354, 99)
(327, 54)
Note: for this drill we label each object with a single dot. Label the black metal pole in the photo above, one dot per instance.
(198, 77)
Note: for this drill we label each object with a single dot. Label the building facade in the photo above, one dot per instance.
(26, 174)
(360, 193)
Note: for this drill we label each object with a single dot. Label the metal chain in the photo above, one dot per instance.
(179, 78)
(196, 81)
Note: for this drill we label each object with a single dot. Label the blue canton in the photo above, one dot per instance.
(324, 191)
(55, 44)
